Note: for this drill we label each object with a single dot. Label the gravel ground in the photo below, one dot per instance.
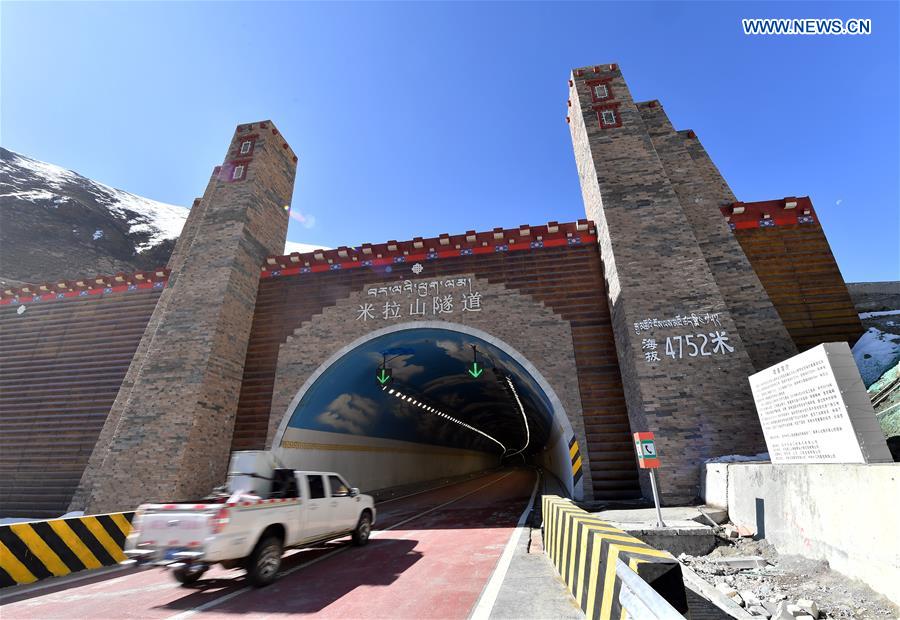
(791, 578)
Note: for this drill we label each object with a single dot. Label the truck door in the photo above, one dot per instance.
(318, 508)
(344, 507)
(295, 517)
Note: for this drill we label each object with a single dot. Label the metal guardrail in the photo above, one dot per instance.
(641, 601)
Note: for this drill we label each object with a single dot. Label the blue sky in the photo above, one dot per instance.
(417, 119)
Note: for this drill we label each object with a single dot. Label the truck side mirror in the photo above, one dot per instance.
(354, 492)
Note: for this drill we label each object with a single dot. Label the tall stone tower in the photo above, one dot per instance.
(171, 424)
(676, 278)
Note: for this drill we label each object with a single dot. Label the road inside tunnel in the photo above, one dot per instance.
(431, 555)
(415, 403)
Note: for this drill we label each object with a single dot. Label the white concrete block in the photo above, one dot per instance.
(845, 514)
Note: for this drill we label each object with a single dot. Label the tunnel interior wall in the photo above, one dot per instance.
(371, 463)
(556, 459)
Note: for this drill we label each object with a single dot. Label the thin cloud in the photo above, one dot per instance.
(307, 221)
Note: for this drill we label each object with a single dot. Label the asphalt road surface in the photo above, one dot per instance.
(430, 557)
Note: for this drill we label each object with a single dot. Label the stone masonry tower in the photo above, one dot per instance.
(678, 282)
(171, 424)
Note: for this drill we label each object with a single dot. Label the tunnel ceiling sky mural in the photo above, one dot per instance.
(430, 366)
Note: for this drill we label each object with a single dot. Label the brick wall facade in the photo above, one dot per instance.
(785, 243)
(62, 363)
(762, 332)
(699, 406)
(172, 432)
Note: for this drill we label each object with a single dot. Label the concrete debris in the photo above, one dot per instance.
(750, 598)
(726, 589)
(747, 578)
(781, 612)
(738, 562)
(809, 607)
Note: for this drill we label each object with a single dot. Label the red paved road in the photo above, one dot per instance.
(428, 560)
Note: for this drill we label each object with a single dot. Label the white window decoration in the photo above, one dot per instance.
(608, 117)
(601, 91)
(238, 172)
(245, 147)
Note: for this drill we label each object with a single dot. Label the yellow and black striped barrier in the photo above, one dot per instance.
(35, 550)
(575, 455)
(585, 549)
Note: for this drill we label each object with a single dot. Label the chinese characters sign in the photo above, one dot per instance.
(699, 344)
(689, 320)
(802, 406)
(410, 299)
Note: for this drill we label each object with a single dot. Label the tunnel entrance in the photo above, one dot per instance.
(425, 400)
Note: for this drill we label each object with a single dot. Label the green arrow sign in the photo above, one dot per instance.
(475, 370)
(383, 376)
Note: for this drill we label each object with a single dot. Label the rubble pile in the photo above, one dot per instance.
(752, 574)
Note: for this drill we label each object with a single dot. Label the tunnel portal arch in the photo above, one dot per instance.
(555, 452)
(526, 330)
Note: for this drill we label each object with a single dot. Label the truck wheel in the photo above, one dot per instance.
(363, 529)
(186, 575)
(264, 562)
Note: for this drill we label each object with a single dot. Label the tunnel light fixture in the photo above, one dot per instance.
(437, 412)
(524, 417)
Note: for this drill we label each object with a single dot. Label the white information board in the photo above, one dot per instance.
(813, 408)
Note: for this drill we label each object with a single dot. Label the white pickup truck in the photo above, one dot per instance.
(263, 511)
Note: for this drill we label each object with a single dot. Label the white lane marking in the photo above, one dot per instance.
(422, 514)
(227, 597)
(492, 589)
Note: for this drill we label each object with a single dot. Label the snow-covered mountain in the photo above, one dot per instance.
(56, 224)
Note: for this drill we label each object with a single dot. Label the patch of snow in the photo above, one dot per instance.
(36, 194)
(301, 248)
(55, 176)
(739, 458)
(875, 352)
(98, 234)
(158, 220)
(868, 315)
(162, 221)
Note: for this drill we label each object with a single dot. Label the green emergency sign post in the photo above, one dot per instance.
(645, 446)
